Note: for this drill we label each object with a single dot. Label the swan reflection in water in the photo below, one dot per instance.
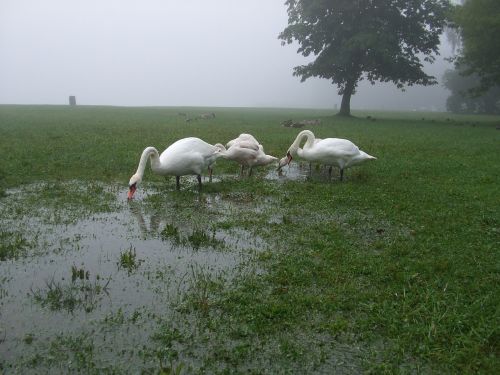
(154, 220)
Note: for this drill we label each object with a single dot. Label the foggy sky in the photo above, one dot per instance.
(170, 53)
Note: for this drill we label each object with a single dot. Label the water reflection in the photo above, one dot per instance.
(135, 209)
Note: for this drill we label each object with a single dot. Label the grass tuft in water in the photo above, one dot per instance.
(129, 261)
(81, 293)
(203, 289)
(171, 232)
(12, 245)
(200, 238)
(197, 239)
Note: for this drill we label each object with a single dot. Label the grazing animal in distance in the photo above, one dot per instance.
(206, 116)
(338, 152)
(187, 156)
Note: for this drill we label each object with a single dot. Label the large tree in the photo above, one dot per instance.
(377, 40)
(478, 22)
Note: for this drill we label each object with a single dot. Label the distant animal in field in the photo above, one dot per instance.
(248, 152)
(206, 116)
(300, 124)
(187, 156)
(338, 152)
(310, 122)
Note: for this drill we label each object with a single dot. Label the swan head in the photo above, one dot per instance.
(132, 185)
(285, 161)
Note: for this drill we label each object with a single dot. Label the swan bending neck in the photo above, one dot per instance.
(149, 152)
(300, 137)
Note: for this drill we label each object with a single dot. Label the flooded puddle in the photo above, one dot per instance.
(300, 171)
(108, 277)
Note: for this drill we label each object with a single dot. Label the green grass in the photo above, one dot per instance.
(12, 245)
(129, 261)
(80, 293)
(400, 260)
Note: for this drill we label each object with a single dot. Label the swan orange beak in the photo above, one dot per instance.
(131, 190)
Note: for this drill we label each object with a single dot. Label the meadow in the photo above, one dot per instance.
(393, 270)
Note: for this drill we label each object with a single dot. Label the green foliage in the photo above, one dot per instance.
(461, 100)
(12, 245)
(80, 293)
(376, 40)
(171, 232)
(129, 261)
(199, 238)
(479, 24)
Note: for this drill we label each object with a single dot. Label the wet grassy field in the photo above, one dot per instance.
(394, 270)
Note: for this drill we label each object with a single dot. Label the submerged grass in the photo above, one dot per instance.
(80, 293)
(395, 270)
(129, 261)
(12, 245)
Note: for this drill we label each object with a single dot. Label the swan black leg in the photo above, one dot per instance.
(330, 172)
(341, 174)
(177, 183)
(199, 181)
(310, 169)
(241, 171)
(250, 172)
(210, 172)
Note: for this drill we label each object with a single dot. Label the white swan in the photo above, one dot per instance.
(329, 151)
(243, 138)
(187, 156)
(248, 152)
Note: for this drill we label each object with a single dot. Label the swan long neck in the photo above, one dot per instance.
(149, 152)
(303, 134)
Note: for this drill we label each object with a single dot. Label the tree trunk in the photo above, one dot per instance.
(345, 106)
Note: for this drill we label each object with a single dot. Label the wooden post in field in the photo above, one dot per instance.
(72, 100)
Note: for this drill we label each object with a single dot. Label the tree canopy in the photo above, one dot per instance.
(478, 22)
(460, 101)
(377, 40)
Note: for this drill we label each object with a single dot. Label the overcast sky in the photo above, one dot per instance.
(169, 53)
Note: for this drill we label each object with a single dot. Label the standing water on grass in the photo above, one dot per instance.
(86, 277)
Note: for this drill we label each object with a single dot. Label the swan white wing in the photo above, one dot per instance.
(188, 156)
(241, 155)
(242, 138)
(247, 144)
(248, 137)
(338, 146)
(330, 151)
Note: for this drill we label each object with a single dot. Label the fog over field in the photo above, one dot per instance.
(170, 53)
